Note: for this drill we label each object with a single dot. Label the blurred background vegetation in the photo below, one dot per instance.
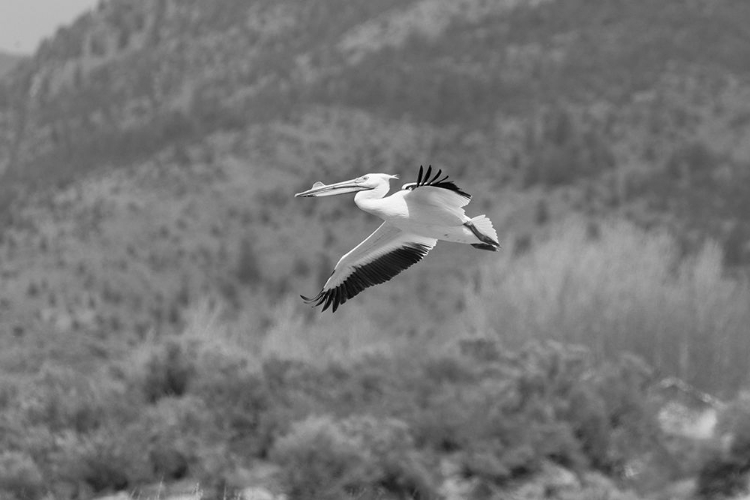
(151, 253)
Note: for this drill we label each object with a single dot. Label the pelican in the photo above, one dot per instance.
(415, 218)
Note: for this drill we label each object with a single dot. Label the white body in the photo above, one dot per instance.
(428, 211)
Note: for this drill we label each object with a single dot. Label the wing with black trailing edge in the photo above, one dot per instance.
(380, 257)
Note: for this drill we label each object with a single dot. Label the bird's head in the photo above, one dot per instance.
(366, 182)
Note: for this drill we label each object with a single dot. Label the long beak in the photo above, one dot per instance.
(320, 189)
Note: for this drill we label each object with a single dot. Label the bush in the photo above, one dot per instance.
(393, 462)
(319, 460)
(168, 372)
(499, 414)
(20, 478)
(102, 460)
(246, 413)
(722, 477)
(726, 471)
(359, 456)
(507, 416)
(63, 399)
(170, 435)
(161, 443)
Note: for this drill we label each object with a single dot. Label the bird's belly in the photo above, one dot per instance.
(456, 234)
(422, 219)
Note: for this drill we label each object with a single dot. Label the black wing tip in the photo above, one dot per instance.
(369, 275)
(427, 179)
(326, 298)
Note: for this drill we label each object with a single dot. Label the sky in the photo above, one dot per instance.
(25, 23)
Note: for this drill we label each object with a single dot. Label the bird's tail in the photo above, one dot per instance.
(482, 228)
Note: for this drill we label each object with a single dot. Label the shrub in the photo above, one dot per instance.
(102, 460)
(393, 462)
(722, 477)
(245, 411)
(170, 435)
(248, 267)
(168, 372)
(319, 460)
(726, 471)
(359, 456)
(166, 441)
(20, 478)
(503, 414)
(63, 399)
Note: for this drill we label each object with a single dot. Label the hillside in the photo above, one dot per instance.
(151, 149)
(637, 111)
(633, 105)
(149, 153)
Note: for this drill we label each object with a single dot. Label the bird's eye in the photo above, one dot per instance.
(364, 178)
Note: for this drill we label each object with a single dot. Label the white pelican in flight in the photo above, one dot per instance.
(416, 217)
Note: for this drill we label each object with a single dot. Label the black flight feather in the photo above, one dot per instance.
(427, 179)
(373, 273)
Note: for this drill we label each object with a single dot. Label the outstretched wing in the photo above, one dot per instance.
(434, 200)
(380, 257)
(428, 180)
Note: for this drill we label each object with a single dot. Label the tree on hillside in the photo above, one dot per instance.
(247, 267)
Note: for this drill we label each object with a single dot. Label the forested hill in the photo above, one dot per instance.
(207, 115)
(637, 102)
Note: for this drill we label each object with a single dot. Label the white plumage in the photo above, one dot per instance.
(415, 218)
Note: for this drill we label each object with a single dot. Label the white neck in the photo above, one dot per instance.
(369, 200)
